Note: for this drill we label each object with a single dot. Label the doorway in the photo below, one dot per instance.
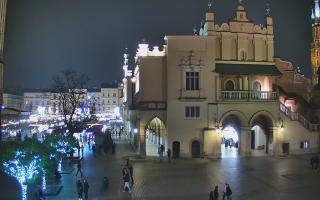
(176, 149)
(195, 149)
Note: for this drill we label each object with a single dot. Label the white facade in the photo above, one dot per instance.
(186, 95)
(109, 99)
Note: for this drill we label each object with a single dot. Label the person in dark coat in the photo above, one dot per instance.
(216, 193)
(86, 189)
(312, 162)
(130, 168)
(228, 192)
(113, 147)
(316, 162)
(79, 169)
(169, 154)
(211, 195)
(79, 189)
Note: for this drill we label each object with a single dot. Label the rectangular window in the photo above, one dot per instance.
(192, 80)
(192, 112)
(114, 95)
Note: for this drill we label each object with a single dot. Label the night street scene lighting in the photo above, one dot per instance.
(141, 100)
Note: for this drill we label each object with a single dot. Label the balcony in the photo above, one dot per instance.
(248, 96)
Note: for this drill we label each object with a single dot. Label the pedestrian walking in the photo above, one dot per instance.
(211, 195)
(79, 189)
(161, 150)
(312, 162)
(316, 162)
(216, 193)
(113, 147)
(224, 192)
(228, 192)
(130, 168)
(79, 168)
(86, 189)
(82, 150)
(169, 154)
(89, 144)
(126, 180)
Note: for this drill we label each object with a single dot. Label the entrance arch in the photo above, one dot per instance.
(230, 135)
(262, 133)
(195, 149)
(155, 136)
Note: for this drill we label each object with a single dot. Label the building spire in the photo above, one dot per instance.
(316, 9)
(268, 10)
(240, 1)
(210, 5)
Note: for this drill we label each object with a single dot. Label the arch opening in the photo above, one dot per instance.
(155, 136)
(229, 142)
(230, 136)
(261, 135)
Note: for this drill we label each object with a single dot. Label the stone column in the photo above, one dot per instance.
(245, 141)
(142, 140)
(211, 143)
(277, 141)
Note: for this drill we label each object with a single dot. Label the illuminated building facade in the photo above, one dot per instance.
(315, 45)
(201, 89)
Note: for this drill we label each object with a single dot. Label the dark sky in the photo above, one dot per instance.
(44, 37)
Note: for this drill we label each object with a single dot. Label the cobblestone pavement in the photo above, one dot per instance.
(257, 178)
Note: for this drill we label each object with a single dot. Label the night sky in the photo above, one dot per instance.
(44, 37)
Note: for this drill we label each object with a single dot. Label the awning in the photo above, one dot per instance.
(247, 69)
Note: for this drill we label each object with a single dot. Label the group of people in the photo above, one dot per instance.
(83, 189)
(161, 153)
(227, 193)
(314, 162)
(127, 176)
(229, 143)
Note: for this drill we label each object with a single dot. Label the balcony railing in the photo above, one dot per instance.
(249, 95)
(295, 116)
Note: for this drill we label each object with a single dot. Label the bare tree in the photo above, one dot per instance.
(70, 90)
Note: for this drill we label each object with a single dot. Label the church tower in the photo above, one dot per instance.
(315, 45)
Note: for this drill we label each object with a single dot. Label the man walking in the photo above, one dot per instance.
(216, 193)
(86, 189)
(79, 168)
(126, 180)
(130, 168)
(169, 154)
(79, 189)
(228, 192)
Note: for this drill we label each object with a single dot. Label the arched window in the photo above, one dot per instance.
(229, 85)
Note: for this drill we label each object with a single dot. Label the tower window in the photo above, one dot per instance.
(192, 81)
